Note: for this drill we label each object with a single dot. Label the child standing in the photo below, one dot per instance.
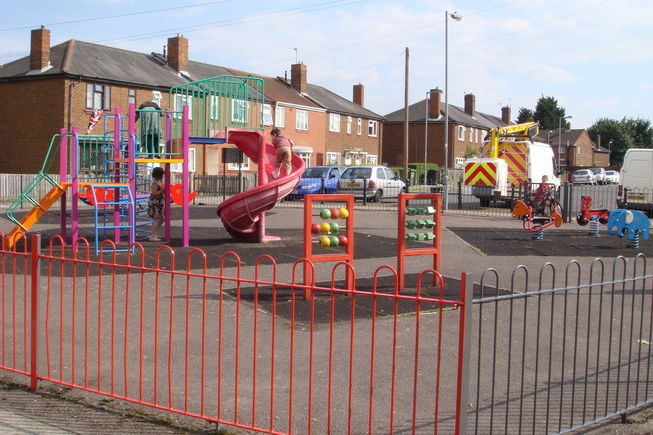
(155, 203)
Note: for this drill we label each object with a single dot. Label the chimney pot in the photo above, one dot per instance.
(435, 96)
(178, 53)
(359, 94)
(505, 114)
(39, 56)
(298, 77)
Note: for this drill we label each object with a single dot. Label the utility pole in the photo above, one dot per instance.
(406, 122)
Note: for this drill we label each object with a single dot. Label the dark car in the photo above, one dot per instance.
(318, 179)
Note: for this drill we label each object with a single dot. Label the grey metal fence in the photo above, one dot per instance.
(571, 351)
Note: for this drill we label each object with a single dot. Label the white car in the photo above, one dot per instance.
(583, 176)
(373, 182)
(599, 173)
(612, 177)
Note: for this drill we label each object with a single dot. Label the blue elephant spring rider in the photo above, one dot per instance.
(629, 222)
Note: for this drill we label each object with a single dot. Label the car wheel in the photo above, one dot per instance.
(378, 195)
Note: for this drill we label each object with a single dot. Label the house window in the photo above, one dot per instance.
(306, 157)
(371, 128)
(280, 116)
(178, 106)
(131, 99)
(177, 167)
(360, 126)
(239, 111)
(349, 124)
(332, 158)
(301, 121)
(98, 96)
(235, 166)
(334, 122)
(267, 114)
(476, 135)
(461, 132)
(354, 157)
(214, 108)
(471, 134)
(371, 159)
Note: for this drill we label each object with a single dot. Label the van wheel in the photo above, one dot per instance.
(378, 196)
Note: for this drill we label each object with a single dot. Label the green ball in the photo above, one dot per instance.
(335, 227)
(334, 240)
(325, 213)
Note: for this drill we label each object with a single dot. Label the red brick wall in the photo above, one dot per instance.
(338, 142)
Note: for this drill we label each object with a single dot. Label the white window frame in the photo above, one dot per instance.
(476, 136)
(360, 126)
(267, 114)
(334, 122)
(280, 116)
(305, 156)
(349, 121)
(178, 167)
(301, 120)
(372, 128)
(239, 111)
(178, 105)
(333, 158)
(98, 95)
(471, 134)
(372, 159)
(235, 166)
(213, 107)
(131, 96)
(461, 132)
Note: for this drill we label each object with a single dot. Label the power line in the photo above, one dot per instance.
(130, 14)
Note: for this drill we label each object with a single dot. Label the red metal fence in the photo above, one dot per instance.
(249, 352)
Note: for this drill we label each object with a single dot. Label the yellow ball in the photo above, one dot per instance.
(325, 241)
(344, 213)
(325, 227)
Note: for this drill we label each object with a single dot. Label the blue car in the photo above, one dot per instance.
(318, 179)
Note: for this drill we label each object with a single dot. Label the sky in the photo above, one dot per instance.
(593, 56)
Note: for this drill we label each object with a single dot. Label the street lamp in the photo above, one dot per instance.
(455, 16)
(559, 140)
(426, 131)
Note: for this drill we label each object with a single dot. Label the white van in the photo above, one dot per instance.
(636, 180)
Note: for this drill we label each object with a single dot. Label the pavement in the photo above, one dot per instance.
(469, 244)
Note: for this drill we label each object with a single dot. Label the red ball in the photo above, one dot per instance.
(343, 240)
(335, 213)
(316, 228)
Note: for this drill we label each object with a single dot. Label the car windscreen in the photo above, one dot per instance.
(582, 172)
(357, 173)
(315, 173)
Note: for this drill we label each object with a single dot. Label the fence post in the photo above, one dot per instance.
(460, 194)
(464, 352)
(36, 255)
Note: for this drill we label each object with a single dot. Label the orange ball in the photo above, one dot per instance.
(343, 240)
(315, 228)
(335, 213)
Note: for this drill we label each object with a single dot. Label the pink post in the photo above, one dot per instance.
(116, 174)
(63, 175)
(167, 231)
(185, 190)
(131, 150)
(74, 197)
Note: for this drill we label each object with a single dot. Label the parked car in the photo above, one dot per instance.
(612, 177)
(583, 176)
(373, 182)
(318, 179)
(599, 173)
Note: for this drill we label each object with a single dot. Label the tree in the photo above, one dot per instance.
(614, 136)
(548, 114)
(640, 132)
(525, 114)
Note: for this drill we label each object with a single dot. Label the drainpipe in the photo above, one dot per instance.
(70, 99)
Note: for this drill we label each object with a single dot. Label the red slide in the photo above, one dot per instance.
(241, 214)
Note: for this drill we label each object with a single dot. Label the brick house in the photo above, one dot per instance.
(467, 128)
(59, 86)
(575, 149)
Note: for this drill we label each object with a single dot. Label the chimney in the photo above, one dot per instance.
(39, 56)
(505, 114)
(359, 94)
(178, 53)
(470, 104)
(298, 74)
(435, 96)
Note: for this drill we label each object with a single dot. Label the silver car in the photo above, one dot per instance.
(373, 182)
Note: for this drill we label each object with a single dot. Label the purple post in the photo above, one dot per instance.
(74, 197)
(167, 194)
(116, 174)
(131, 150)
(185, 179)
(63, 175)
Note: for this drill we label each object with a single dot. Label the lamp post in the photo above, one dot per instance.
(560, 118)
(426, 131)
(456, 17)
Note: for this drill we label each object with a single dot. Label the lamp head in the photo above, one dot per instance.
(455, 15)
